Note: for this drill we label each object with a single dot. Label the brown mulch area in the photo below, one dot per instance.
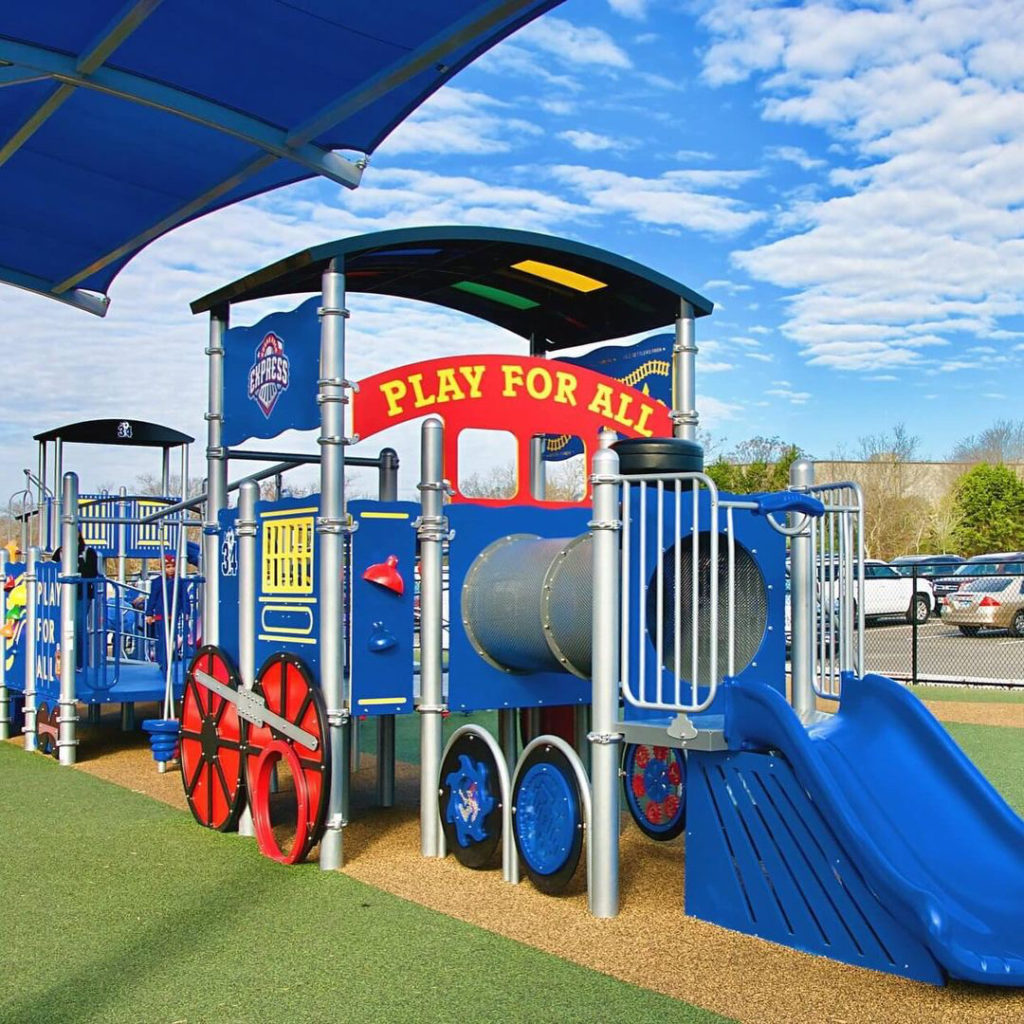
(651, 943)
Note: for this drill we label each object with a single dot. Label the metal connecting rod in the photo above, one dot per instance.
(603, 881)
(433, 531)
(67, 740)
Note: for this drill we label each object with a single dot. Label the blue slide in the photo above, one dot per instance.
(941, 849)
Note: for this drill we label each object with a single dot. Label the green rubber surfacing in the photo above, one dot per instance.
(114, 907)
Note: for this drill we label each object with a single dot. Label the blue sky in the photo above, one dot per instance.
(845, 181)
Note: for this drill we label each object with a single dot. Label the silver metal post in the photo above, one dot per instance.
(603, 879)
(684, 375)
(122, 540)
(387, 490)
(432, 533)
(67, 723)
(507, 736)
(538, 479)
(331, 527)
(216, 476)
(5, 707)
(245, 526)
(53, 537)
(31, 649)
(801, 476)
(41, 526)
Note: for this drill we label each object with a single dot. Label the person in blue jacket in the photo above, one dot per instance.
(157, 615)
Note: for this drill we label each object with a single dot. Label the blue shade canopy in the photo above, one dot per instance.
(119, 121)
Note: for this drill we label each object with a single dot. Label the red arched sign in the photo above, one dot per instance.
(520, 394)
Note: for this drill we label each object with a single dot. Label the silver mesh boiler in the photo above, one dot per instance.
(526, 604)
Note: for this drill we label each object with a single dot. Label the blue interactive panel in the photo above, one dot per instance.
(382, 596)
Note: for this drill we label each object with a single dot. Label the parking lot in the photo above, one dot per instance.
(943, 653)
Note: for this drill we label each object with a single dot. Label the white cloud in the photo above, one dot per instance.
(920, 240)
(666, 201)
(589, 142)
(764, 357)
(457, 121)
(794, 155)
(795, 397)
(574, 44)
(636, 9)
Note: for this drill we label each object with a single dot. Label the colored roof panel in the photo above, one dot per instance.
(433, 264)
(119, 121)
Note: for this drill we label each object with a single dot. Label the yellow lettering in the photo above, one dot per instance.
(473, 375)
(394, 391)
(602, 401)
(448, 389)
(546, 384)
(513, 379)
(566, 393)
(641, 421)
(625, 401)
(418, 398)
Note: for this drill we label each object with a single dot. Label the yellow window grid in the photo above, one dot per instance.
(288, 555)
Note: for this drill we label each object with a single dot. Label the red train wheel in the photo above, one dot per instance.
(290, 690)
(278, 750)
(211, 744)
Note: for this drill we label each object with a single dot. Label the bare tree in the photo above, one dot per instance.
(1002, 442)
(897, 520)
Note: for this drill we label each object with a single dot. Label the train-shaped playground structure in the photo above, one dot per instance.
(633, 629)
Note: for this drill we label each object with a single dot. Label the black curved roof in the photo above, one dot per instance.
(555, 292)
(138, 433)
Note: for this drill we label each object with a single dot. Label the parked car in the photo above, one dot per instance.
(999, 563)
(991, 602)
(887, 593)
(929, 567)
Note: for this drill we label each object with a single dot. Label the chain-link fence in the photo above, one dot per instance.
(974, 634)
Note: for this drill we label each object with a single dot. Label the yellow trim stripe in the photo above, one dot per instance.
(382, 700)
(569, 278)
(288, 512)
(383, 515)
(285, 599)
(290, 639)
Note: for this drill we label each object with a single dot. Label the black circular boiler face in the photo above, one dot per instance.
(677, 580)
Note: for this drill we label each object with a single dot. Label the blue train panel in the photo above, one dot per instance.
(760, 600)
(140, 540)
(287, 580)
(381, 596)
(473, 683)
(227, 570)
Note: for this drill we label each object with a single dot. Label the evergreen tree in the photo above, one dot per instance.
(990, 500)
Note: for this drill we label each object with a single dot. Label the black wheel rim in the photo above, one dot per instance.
(547, 818)
(470, 801)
